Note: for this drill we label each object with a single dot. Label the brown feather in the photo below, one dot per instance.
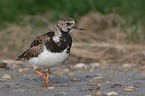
(36, 47)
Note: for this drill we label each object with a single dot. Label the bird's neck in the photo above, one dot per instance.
(58, 34)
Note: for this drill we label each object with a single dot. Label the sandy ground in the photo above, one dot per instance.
(69, 80)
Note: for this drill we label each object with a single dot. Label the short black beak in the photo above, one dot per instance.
(77, 27)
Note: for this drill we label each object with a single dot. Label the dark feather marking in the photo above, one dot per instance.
(46, 39)
(65, 42)
(36, 47)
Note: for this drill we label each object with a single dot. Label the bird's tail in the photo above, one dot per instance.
(21, 57)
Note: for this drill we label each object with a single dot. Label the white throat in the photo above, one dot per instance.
(57, 36)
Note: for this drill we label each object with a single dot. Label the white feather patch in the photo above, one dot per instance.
(57, 36)
(46, 58)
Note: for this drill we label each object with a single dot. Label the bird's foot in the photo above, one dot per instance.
(45, 84)
(45, 77)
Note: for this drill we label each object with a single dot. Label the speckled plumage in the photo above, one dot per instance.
(51, 48)
(56, 44)
(46, 39)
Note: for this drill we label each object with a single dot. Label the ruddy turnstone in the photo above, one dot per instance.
(50, 48)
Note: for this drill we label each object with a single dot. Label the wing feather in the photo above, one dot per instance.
(36, 47)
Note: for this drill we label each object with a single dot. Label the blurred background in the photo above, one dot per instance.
(114, 28)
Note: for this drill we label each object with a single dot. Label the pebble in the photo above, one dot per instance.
(29, 85)
(99, 85)
(112, 93)
(61, 94)
(75, 79)
(6, 77)
(142, 68)
(37, 89)
(71, 74)
(94, 88)
(66, 70)
(3, 65)
(95, 65)
(98, 79)
(91, 70)
(61, 73)
(23, 70)
(64, 85)
(143, 73)
(116, 86)
(80, 66)
(82, 90)
(52, 87)
(99, 93)
(129, 88)
(120, 92)
(104, 68)
(127, 66)
(107, 81)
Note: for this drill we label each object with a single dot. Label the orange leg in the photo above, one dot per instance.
(46, 78)
(48, 74)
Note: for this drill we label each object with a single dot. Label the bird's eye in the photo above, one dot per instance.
(68, 24)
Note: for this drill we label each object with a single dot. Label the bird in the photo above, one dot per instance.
(51, 48)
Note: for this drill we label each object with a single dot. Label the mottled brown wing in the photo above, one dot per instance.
(39, 40)
(31, 52)
(36, 47)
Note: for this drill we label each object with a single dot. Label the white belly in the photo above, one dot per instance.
(47, 58)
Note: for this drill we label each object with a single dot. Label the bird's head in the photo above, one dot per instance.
(66, 24)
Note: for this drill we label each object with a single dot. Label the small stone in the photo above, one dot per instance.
(3, 65)
(127, 66)
(143, 73)
(107, 81)
(64, 85)
(82, 90)
(142, 68)
(37, 89)
(80, 66)
(94, 88)
(61, 73)
(75, 79)
(104, 68)
(112, 93)
(15, 68)
(23, 70)
(91, 70)
(52, 87)
(98, 79)
(6, 77)
(116, 86)
(95, 65)
(61, 94)
(19, 74)
(29, 85)
(99, 93)
(120, 92)
(66, 70)
(71, 74)
(99, 85)
(130, 88)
